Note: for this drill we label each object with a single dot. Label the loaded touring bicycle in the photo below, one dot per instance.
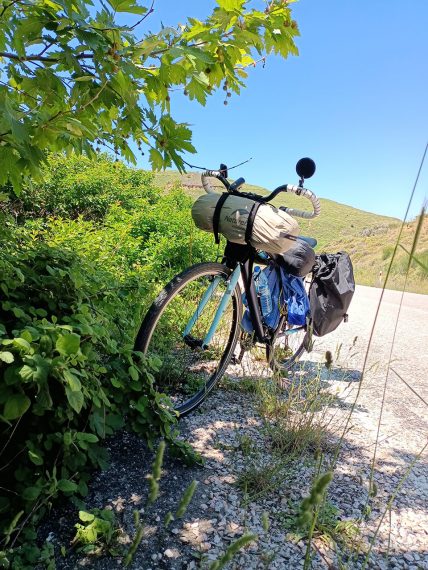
(209, 315)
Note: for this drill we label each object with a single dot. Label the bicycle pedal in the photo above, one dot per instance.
(194, 343)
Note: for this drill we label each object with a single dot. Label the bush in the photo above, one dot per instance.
(75, 186)
(68, 375)
(169, 239)
(80, 262)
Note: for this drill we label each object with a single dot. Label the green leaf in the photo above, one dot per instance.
(230, 5)
(67, 486)
(133, 372)
(16, 406)
(68, 344)
(156, 159)
(115, 421)
(86, 517)
(67, 438)
(89, 437)
(127, 6)
(6, 357)
(26, 373)
(84, 78)
(35, 457)
(23, 344)
(198, 91)
(31, 493)
(75, 399)
(72, 380)
(83, 488)
(26, 335)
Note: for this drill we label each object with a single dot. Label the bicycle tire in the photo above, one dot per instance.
(282, 358)
(161, 334)
(297, 345)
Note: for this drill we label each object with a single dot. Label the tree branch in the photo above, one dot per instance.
(39, 57)
(8, 6)
(150, 11)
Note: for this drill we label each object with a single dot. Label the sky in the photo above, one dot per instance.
(355, 100)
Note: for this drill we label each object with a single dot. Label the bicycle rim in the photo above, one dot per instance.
(286, 348)
(189, 370)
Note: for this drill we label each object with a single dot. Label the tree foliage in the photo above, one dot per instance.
(74, 76)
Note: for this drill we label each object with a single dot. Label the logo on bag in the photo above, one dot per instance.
(239, 216)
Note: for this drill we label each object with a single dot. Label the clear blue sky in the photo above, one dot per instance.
(355, 100)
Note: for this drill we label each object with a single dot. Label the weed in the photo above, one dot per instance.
(294, 419)
(246, 384)
(233, 549)
(246, 445)
(257, 479)
(97, 531)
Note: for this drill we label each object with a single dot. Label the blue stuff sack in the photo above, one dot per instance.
(284, 289)
(296, 298)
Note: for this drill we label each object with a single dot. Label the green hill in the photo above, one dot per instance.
(369, 238)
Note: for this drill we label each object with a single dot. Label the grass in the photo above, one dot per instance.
(343, 536)
(295, 422)
(295, 426)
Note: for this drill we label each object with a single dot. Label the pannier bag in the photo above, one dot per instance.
(242, 220)
(331, 291)
(285, 290)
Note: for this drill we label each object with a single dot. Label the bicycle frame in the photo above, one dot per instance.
(241, 261)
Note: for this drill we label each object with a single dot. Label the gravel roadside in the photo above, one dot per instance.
(229, 433)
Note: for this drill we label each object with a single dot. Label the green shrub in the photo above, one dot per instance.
(80, 262)
(170, 242)
(387, 252)
(68, 375)
(74, 186)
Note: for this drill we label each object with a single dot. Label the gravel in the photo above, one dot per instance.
(220, 511)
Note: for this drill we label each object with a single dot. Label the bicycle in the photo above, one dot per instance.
(194, 324)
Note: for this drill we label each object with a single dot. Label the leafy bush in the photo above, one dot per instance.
(68, 375)
(78, 266)
(73, 186)
(169, 239)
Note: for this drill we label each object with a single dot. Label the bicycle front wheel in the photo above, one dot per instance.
(176, 326)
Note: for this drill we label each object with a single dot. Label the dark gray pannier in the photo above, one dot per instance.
(331, 291)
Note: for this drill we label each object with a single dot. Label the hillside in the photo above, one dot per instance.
(369, 238)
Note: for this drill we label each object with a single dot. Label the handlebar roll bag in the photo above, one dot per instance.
(272, 230)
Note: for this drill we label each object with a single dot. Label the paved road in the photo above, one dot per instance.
(400, 336)
(408, 352)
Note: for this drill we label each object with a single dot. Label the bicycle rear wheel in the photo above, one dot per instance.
(189, 370)
(286, 347)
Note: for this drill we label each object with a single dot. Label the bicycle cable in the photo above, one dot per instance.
(228, 168)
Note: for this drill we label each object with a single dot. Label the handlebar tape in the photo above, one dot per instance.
(308, 194)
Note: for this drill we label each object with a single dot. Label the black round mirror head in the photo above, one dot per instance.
(305, 168)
